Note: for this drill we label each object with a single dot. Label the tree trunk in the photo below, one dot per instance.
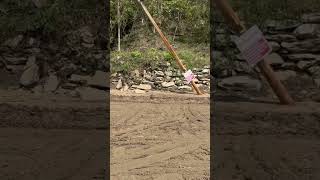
(119, 27)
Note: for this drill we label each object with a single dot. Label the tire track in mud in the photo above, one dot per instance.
(158, 139)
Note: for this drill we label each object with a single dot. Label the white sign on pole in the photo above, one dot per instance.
(253, 46)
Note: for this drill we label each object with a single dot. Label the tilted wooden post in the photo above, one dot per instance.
(171, 50)
(235, 23)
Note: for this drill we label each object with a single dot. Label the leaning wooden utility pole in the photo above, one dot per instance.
(235, 23)
(166, 42)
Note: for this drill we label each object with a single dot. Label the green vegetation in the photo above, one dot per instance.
(55, 18)
(258, 11)
(127, 61)
(184, 22)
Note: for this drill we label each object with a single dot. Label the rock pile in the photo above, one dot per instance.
(72, 67)
(166, 79)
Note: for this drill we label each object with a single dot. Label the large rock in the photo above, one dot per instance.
(286, 75)
(306, 31)
(275, 59)
(311, 18)
(306, 46)
(241, 83)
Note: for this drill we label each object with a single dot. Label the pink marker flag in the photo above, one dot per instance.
(188, 76)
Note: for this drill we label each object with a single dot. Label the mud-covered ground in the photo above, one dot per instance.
(265, 141)
(157, 139)
(157, 136)
(51, 138)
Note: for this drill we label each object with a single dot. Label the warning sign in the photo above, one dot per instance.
(253, 46)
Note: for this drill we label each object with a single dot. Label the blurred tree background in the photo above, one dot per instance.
(49, 18)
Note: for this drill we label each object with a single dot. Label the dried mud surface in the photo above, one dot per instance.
(160, 139)
(266, 141)
(51, 138)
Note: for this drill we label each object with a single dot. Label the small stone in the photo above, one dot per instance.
(315, 71)
(241, 83)
(311, 18)
(206, 71)
(69, 86)
(139, 91)
(30, 76)
(52, 83)
(274, 59)
(159, 73)
(188, 88)
(305, 64)
(86, 45)
(274, 45)
(125, 87)
(169, 73)
(306, 31)
(14, 42)
(282, 38)
(135, 73)
(16, 60)
(286, 75)
(305, 46)
(167, 84)
(119, 84)
(302, 57)
(144, 87)
(317, 82)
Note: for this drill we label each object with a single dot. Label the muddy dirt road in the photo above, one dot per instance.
(266, 141)
(161, 140)
(51, 138)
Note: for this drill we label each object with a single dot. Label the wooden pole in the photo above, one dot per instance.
(171, 50)
(235, 23)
